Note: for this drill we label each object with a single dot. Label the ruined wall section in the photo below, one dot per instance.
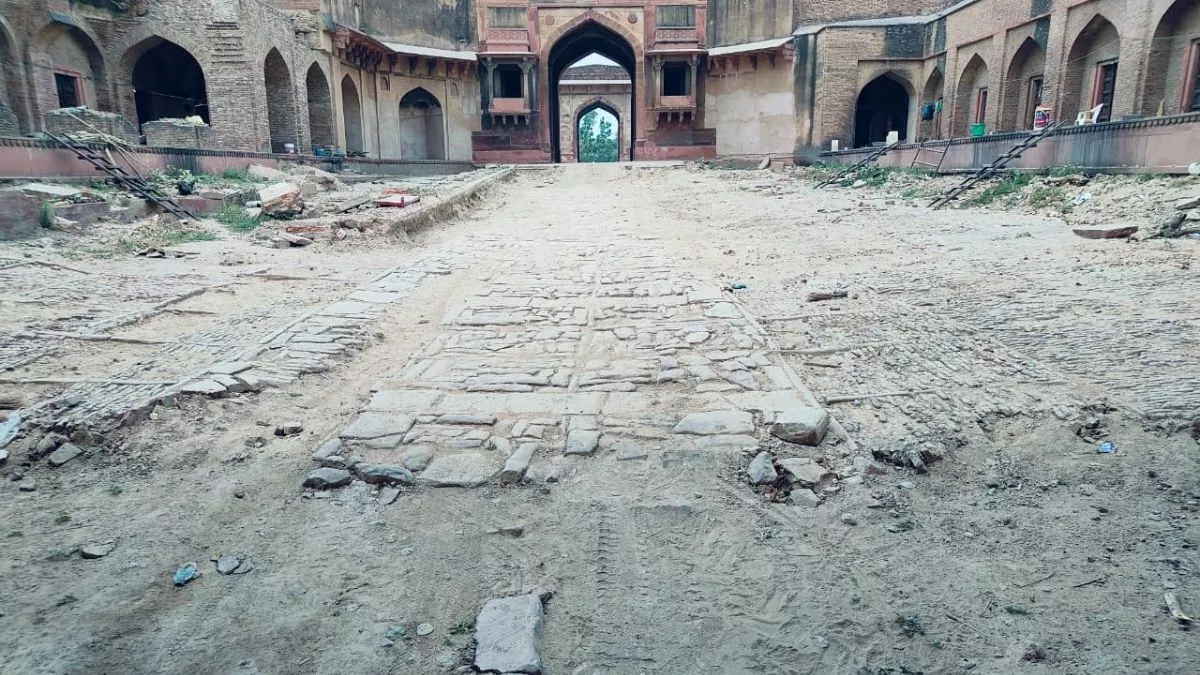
(445, 24)
(733, 22)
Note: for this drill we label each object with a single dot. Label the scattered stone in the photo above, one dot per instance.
(849, 519)
(1188, 203)
(518, 463)
(1087, 489)
(581, 442)
(226, 564)
(508, 636)
(801, 425)
(424, 629)
(627, 452)
(266, 172)
(329, 448)
(288, 429)
(65, 453)
(805, 497)
(27, 485)
(49, 191)
(696, 337)
(461, 469)
(716, 422)
(762, 469)
(281, 200)
(383, 474)
(513, 531)
(97, 551)
(867, 466)
(387, 495)
(326, 478)
(804, 471)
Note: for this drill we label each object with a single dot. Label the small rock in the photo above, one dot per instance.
(288, 429)
(803, 471)
(27, 485)
(805, 497)
(424, 629)
(849, 519)
(326, 478)
(226, 564)
(387, 495)
(1087, 489)
(383, 474)
(762, 469)
(508, 635)
(907, 485)
(513, 531)
(516, 465)
(96, 551)
(801, 425)
(1188, 203)
(65, 453)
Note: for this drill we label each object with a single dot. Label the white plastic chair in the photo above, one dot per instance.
(1089, 116)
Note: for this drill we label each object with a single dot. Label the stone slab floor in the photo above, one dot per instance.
(579, 313)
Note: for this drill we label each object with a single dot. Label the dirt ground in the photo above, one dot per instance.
(993, 343)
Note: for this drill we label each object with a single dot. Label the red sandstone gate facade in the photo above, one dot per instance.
(523, 51)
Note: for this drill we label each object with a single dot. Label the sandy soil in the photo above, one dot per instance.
(998, 341)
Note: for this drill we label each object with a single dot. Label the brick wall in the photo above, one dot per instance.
(9, 126)
(88, 121)
(169, 133)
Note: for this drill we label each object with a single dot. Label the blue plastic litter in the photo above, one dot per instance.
(1108, 447)
(185, 574)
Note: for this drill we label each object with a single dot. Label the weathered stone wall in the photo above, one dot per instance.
(737, 21)
(168, 133)
(753, 110)
(448, 24)
(88, 121)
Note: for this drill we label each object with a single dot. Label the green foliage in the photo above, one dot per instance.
(597, 143)
(46, 215)
(1042, 195)
(62, 518)
(238, 175)
(1064, 170)
(185, 236)
(114, 490)
(235, 218)
(1007, 186)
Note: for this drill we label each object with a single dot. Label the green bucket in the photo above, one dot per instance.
(977, 129)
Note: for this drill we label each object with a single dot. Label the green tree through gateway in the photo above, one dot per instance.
(597, 137)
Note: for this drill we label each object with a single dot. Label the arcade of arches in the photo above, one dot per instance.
(700, 80)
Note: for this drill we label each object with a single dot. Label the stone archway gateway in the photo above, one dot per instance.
(168, 82)
(352, 116)
(422, 126)
(882, 107)
(281, 106)
(583, 112)
(589, 37)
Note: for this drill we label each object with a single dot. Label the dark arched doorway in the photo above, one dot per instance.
(931, 105)
(1023, 86)
(320, 108)
(882, 108)
(1173, 76)
(422, 132)
(168, 83)
(587, 38)
(1091, 71)
(281, 107)
(601, 152)
(352, 115)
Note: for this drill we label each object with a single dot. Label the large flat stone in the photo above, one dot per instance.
(804, 471)
(508, 636)
(716, 422)
(461, 469)
(723, 310)
(326, 478)
(581, 442)
(762, 469)
(802, 425)
(65, 453)
(376, 425)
